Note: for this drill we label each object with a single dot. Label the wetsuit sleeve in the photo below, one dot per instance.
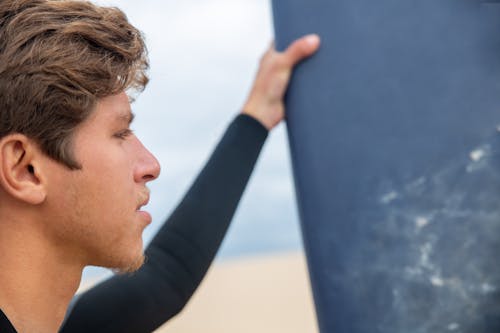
(181, 252)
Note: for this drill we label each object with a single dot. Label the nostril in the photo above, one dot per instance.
(148, 177)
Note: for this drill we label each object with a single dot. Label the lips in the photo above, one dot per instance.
(143, 201)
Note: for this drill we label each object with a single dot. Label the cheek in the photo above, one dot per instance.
(107, 178)
(101, 226)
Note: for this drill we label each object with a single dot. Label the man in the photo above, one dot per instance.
(73, 176)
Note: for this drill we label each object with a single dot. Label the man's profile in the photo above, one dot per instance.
(73, 175)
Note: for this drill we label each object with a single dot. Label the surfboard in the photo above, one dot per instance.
(395, 144)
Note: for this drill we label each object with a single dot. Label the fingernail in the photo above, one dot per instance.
(312, 39)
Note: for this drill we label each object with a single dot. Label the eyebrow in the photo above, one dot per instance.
(128, 117)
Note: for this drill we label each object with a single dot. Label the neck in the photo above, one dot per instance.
(36, 281)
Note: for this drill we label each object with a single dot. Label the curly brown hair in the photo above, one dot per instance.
(57, 59)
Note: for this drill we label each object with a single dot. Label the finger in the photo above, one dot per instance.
(301, 48)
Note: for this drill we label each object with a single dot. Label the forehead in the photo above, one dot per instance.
(114, 107)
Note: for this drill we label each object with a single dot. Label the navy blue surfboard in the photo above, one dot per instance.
(395, 143)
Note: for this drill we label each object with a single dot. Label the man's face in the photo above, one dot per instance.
(95, 212)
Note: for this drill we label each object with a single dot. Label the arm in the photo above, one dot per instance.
(181, 252)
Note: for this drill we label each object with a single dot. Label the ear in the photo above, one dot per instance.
(19, 174)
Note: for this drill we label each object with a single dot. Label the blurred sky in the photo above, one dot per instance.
(204, 55)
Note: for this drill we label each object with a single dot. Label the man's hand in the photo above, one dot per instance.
(265, 102)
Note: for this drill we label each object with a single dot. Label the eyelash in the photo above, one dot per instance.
(124, 134)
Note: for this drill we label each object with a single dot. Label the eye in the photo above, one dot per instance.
(123, 134)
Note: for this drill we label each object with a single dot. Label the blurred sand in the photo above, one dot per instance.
(266, 294)
(262, 294)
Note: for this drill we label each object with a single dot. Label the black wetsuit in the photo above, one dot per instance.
(181, 252)
(5, 325)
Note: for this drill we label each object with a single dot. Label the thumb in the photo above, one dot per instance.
(301, 48)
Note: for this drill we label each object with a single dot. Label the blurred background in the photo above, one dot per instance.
(204, 55)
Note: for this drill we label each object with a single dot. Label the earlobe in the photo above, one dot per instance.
(19, 175)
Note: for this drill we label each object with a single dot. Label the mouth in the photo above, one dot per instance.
(143, 202)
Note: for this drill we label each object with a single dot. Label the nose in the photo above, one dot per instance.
(148, 168)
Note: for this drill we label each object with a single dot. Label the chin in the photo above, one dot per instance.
(130, 266)
(125, 256)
